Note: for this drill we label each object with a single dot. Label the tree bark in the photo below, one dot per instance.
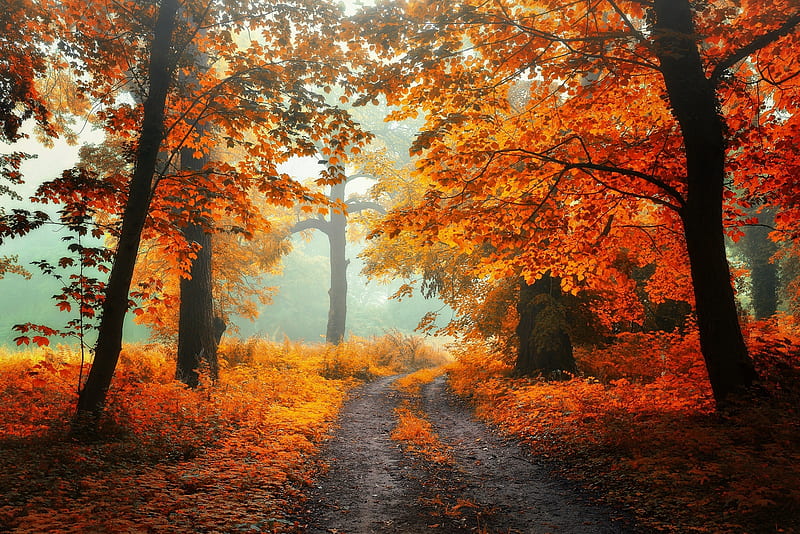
(197, 339)
(759, 249)
(694, 104)
(109, 341)
(544, 345)
(197, 325)
(337, 238)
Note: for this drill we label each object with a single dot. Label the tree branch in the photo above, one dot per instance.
(589, 166)
(355, 206)
(753, 46)
(308, 224)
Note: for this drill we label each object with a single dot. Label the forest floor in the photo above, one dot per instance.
(467, 479)
(404, 454)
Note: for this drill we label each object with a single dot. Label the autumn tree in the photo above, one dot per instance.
(257, 95)
(175, 256)
(548, 123)
(109, 342)
(535, 325)
(333, 222)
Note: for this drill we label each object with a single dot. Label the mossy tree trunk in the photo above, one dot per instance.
(544, 344)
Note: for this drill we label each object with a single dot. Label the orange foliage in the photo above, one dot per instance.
(412, 383)
(413, 429)
(645, 357)
(652, 442)
(418, 436)
(225, 458)
(557, 138)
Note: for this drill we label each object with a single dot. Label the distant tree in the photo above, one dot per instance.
(9, 265)
(335, 229)
(759, 253)
(197, 341)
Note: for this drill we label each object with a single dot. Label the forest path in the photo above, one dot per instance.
(490, 486)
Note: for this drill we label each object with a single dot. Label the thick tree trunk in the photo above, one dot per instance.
(544, 345)
(695, 106)
(197, 339)
(109, 342)
(337, 238)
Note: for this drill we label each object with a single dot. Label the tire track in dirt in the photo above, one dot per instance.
(370, 485)
(512, 490)
(493, 487)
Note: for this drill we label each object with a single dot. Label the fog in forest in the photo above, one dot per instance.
(298, 311)
(299, 302)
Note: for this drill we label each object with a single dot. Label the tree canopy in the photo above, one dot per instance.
(608, 147)
(562, 138)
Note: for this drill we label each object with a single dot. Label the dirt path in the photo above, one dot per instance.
(492, 485)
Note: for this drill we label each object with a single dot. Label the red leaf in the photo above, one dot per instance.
(41, 341)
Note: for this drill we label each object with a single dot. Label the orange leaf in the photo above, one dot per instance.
(41, 341)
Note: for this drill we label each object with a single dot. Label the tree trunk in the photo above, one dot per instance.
(694, 103)
(197, 324)
(544, 345)
(197, 339)
(109, 341)
(759, 249)
(337, 238)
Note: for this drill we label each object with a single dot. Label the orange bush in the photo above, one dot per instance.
(411, 383)
(654, 443)
(418, 436)
(644, 356)
(234, 456)
(413, 429)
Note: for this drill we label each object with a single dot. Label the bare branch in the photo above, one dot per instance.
(309, 224)
(355, 206)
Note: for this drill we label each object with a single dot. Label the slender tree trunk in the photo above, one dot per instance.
(759, 249)
(337, 238)
(695, 106)
(544, 345)
(109, 342)
(197, 340)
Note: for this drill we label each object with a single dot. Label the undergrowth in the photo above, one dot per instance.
(413, 429)
(640, 427)
(232, 457)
